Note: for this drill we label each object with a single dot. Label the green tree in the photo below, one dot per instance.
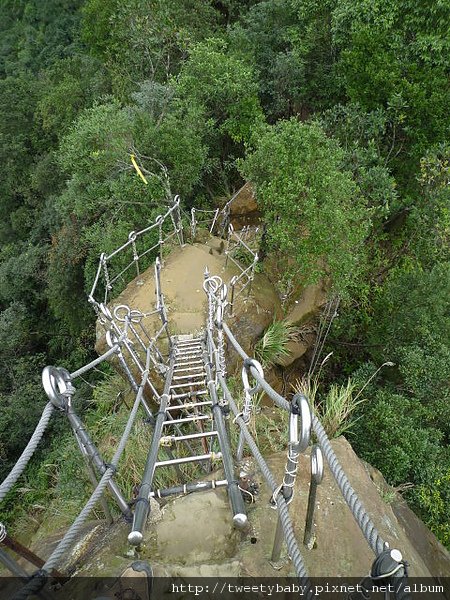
(141, 40)
(290, 44)
(395, 54)
(225, 86)
(315, 217)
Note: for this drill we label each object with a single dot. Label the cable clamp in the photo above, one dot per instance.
(111, 466)
(239, 415)
(273, 499)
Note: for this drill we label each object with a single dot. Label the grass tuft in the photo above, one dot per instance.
(335, 409)
(272, 347)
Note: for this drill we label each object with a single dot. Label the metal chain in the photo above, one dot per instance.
(132, 238)
(288, 530)
(373, 538)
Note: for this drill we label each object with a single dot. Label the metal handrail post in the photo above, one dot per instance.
(96, 459)
(142, 509)
(316, 479)
(234, 494)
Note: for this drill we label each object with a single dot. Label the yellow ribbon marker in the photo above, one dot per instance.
(136, 166)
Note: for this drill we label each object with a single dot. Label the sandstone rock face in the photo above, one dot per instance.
(244, 208)
(182, 279)
(193, 535)
(244, 201)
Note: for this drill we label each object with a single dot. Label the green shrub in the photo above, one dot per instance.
(432, 499)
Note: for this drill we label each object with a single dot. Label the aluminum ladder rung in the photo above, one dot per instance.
(189, 395)
(179, 377)
(196, 342)
(187, 384)
(188, 459)
(189, 436)
(189, 347)
(194, 362)
(187, 488)
(192, 350)
(188, 357)
(188, 419)
(189, 405)
(199, 368)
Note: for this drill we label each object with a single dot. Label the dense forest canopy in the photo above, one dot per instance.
(337, 112)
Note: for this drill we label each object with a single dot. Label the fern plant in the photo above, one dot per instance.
(272, 347)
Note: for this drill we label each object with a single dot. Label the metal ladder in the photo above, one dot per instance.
(189, 403)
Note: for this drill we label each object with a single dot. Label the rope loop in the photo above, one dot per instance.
(134, 315)
(212, 284)
(248, 364)
(238, 416)
(273, 499)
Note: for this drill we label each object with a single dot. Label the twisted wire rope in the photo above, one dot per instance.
(370, 532)
(69, 538)
(283, 510)
(26, 455)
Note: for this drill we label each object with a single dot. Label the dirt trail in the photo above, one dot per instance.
(182, 286)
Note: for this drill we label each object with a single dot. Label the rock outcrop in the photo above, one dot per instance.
(193, 535)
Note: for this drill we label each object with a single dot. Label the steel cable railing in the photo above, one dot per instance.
(69, 538)
(373, 538)
(26, 455)
(118, 337)
(173, 214)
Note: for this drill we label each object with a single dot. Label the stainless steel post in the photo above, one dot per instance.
(316, 479)
(94, 455)
(298, 442)
(234, 494)
(142, 509)
(94, 481)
